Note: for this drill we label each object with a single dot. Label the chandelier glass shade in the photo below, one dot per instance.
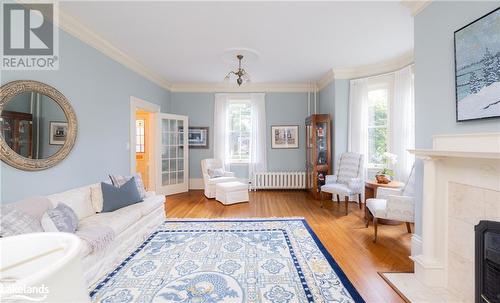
(241, 75)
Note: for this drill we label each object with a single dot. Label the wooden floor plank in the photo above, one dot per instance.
(345, 237)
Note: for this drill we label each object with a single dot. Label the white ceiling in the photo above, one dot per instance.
(298, 42)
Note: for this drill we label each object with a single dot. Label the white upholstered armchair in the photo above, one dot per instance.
(392, 204)
(348, 181)
(212, 164)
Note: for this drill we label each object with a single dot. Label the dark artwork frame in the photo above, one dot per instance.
(273, 141)
(196, 138)
(457, 84)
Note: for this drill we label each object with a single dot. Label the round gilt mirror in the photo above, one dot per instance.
(37, 125)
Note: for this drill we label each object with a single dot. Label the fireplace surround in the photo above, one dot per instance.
(487, 263)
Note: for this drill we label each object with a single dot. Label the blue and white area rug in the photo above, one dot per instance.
(252, 260)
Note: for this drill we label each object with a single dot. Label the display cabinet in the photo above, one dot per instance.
(16, 129)
(318, 153)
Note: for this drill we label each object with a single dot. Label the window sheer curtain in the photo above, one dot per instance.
(402, 122)
(358, 119)
(258, 139)
(221, 140)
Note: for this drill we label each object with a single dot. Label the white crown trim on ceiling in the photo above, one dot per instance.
(83, 33)
(416, 6)
(247, 88)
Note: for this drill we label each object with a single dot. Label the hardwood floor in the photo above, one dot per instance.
(345, 237)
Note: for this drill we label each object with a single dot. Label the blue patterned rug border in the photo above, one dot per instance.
(338, 270)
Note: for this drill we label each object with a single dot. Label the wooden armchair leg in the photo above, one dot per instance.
(359, 200)
(338, 199)
(367, 216)
(375, 229)
(408, 227)
(346, 205)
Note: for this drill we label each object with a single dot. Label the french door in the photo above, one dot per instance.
(173, 154)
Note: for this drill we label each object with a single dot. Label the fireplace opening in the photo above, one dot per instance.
(487, 265)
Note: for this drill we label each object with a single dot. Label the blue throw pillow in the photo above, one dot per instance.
(117, 197)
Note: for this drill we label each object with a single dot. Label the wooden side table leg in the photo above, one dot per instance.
(367, 219)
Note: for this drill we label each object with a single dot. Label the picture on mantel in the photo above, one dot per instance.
(477, 68)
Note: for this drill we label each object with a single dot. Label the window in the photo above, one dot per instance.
(139, 135)
(378, 99)
(239, 120)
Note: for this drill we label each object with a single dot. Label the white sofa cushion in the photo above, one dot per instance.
(77, 199)
(378, 207)
(118, 220)
(151, 203)
(337, 188)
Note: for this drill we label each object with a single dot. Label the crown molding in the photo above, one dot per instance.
(326, 79)
(83, 33)
(246, 88)
(375, 69)
(415, 6)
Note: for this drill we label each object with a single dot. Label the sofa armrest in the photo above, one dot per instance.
(330, 179)
(384, 192)
(401, 208)
(228, 174)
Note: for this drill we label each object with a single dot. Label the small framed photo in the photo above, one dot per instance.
(285, 136)
(198, 137)
(57, 132)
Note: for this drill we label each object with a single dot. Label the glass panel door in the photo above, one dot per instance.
(173, 151)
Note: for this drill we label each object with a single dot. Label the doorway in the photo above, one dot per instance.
(143, 145)
(159, 148)
(142, 140)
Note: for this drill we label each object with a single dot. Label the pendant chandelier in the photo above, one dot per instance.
(241, 74)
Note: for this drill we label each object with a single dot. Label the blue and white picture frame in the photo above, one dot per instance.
(477, 68)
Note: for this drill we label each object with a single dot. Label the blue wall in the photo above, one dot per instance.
(99, 90)
(434, 77)
(334, 100)
(281, 108)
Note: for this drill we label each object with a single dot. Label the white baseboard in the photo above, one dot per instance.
(196, 183)
(416, 245)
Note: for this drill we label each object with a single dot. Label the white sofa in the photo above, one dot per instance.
(131, 226)
(210, 183)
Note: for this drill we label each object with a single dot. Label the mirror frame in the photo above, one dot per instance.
(9, 156)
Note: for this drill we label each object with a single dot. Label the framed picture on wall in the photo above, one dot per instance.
(198, 137)
(285, 136)
(477, 68)
(58, 132)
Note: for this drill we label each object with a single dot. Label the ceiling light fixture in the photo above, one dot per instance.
(240, 73)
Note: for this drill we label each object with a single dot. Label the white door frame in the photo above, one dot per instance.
(135, 104)
(179, 187)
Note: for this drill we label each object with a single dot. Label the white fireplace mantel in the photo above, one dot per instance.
(471, 161)
(438, 154)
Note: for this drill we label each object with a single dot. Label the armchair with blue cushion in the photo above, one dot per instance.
(348, 182)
